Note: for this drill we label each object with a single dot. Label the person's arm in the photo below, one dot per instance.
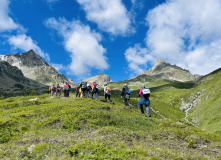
(140, 92)
(122, 93)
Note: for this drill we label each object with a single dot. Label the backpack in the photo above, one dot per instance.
(97, 86)
(88, 87)
(146, 93)
(128, 91)
(108, 88)
(84, 85)
(49, 88)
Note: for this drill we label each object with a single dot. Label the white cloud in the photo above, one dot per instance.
(110, 15)
(83, 44)
(186, 33)
(6, 22)
(137, 58)
(20, 41)
(26, 43)
(58, 67)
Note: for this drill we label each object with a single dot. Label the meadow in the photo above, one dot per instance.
(77, 128)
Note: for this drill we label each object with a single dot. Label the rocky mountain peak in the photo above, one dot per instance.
(164, 70)
(159, 61)
(35, 68)
(99, 79)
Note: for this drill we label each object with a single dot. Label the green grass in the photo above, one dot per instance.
(206, 114)
(74, 128)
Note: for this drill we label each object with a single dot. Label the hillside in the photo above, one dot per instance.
(13, 82)
(207, 112)
(88, 129)
(35, 68)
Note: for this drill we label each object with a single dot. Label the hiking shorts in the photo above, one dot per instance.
(144, 101)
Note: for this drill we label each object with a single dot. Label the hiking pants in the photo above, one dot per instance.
(96, 93)
(58, 91)
(106, 95)
(147, 110)
(87, 93)
(83, 93)
(78, 94)
(126, 101)
(53, 92)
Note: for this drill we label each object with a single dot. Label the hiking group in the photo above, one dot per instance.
(84, 89)
(57, 90)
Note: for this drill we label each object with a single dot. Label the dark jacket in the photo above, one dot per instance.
(123, 93)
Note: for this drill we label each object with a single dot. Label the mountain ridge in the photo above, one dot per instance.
(12, 81)
(164, 70)
(35, 68)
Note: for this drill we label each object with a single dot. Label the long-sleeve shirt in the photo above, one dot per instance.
(141, 91)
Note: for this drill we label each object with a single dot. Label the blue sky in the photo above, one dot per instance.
(121, 38)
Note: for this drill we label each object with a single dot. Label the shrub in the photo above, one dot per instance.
(33, 92)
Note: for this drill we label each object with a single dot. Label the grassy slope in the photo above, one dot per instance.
(61, 128)
(207, 114)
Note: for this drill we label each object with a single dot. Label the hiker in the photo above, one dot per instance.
(145, 92)
(66, 90)
(53, 90)
(107, 93)
(95, 89)
(58, 90)
(83, 88)
(88, 90)
(126, 94)
(69, 89)
(77, 90)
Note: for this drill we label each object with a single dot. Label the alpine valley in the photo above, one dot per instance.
(185, 120)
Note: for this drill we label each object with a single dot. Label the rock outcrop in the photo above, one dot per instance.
(164, 70)
(99, 79)
(35, 68)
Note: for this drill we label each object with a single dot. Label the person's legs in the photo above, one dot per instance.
(77, 93)
(82, 92)
(92, 94)
(97, 95)
(141, 108)
(105, 97)
(148, 111)
(109, 98)
(125, 101)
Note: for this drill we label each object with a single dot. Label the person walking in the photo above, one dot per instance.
(95, 89)
(145, 92)
(107, 93)
(66, 90)
(77, 90)
(53, 90)
(83, 88)
(58, 90)
(88, 90)
(126, 94)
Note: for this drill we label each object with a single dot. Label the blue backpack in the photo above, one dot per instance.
(128, 91)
